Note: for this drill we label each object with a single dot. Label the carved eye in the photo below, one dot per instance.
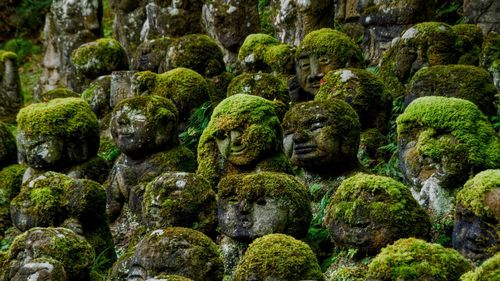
(324, 60)
(220, 134)
(261, 201)
(317, 125)
(304, 64)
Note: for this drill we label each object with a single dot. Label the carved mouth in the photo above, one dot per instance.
(316, 85)
(304, 149)
(237, 150)
(246, 223)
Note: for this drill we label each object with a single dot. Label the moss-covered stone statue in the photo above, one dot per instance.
(49, 254)
(415, 259)
(54, 199)
(11, 99)
(243, 135)
(61, 135)
(179, 199)
(322, 51)
(97, 58)
(488, 271)
(278, 257)
(367, 212)
(256, 204)
(173, 250)
(459, 81)
(150, 55)
(145, 130)
(442, 142)
(476, 234)
(424, 44)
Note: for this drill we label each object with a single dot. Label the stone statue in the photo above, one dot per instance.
(11, 99)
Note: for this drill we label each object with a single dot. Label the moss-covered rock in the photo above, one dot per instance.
(331, 43)
(490, 50)
(97, 95)
(60, 244)
(368, 212)
(150, 55)
(58, 93)
(474, 195)
(256, 119)
(179, 199)
(99, 57)
(181, 251)
(8, 147)
(197, 52)
(415, 259)
(278, 257)
(459, 81)
(9, 187)
(424, 44)
(286, 191)
(469, 42)
(488, 271)
(361, 89)
(475, 138)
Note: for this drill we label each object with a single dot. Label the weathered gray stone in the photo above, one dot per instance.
(483, 13)
(11, 99)
(120, 87)
(130, 16)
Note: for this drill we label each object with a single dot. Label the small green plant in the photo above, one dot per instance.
(196, 124)
(4, 245)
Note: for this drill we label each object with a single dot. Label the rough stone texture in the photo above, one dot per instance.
(293, 19)
(229, 23)
(483, 13)
(68, 25)
(41, 269)
(120, 86)
(97, 95)
(62, 246)
(130, 16)
(11, 99)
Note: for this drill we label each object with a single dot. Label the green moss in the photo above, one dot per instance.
(179, 158)
(488, 271)
(197, 52)
(67, 118)
(58, 93)
(473, 195)
(8, 147)
(470, 39)
(278, 256)
(459, 81)
(11, 182)
(364, 91)
(263, 85)
(108, 150)
(332, 43)
(285, 189)
(415, 259)
(256, 44)
(475, 137)
(186, 88)
(385, 201)
(4, 55)
(99, 57)
(170, 277)
(490, 49)
(280, 58)
(144, 82)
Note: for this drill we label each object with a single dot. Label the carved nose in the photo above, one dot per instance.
(300, 136)
(245, 206)
(235, 137)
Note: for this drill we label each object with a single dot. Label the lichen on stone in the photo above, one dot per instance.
(415, 259)
(280, 257)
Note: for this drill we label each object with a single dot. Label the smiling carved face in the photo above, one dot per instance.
(312, 68)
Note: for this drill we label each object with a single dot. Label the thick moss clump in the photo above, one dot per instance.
(58, 93)
(197, 52)
(476, 139)
(179, 199)
(61, 244)
(415, 259)
(280, 257)
(470, 39)
(459, 81)
(473, 195)
(331, 43)
(99, 57)
(361, 89)
(488, 271)
(8, 148)
(285, 189)
(69, 118)
(262, 52)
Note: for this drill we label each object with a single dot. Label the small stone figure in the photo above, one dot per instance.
(57, 253)
(255, 204)
(476, 234)
(243, 135)
(11, 99)
(367, 212)
(415, 259)
(278, 257)
(61, 135)
(322, 51)
(175, 250)
(441, 142)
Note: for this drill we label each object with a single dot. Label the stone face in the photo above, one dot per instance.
(68, 25)
(368, 212)
(483, 13)
(476, 231)
(294, 19)
(176, 250)
(437, 153)
(229, 23)
(11, 99)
